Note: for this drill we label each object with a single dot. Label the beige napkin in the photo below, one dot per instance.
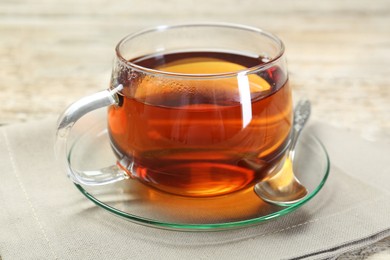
(43, 215)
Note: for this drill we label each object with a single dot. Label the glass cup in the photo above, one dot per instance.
(195, 110)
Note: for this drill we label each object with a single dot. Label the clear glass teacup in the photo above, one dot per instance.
(195, 110)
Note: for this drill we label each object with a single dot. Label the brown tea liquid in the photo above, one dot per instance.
(201, 137)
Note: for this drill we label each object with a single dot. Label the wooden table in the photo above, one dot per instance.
(53, 52)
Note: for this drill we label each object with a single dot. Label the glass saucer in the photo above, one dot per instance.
(139, 203)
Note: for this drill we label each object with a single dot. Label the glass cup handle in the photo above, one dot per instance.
(65, 123)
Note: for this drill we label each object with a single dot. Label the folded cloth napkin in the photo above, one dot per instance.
(43, 215)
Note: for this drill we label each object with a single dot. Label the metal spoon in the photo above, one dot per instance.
(283, 188)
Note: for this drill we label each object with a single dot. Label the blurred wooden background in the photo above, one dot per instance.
(53, 52)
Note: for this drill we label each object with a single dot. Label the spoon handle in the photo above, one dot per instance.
(301, 115)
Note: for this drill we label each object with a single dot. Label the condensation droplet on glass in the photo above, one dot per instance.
(265, 59)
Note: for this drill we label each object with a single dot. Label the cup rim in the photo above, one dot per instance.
(161, 28)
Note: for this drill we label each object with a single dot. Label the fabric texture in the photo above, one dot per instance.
(43, 215)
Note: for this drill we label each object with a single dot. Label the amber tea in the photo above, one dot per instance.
(201, 136)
